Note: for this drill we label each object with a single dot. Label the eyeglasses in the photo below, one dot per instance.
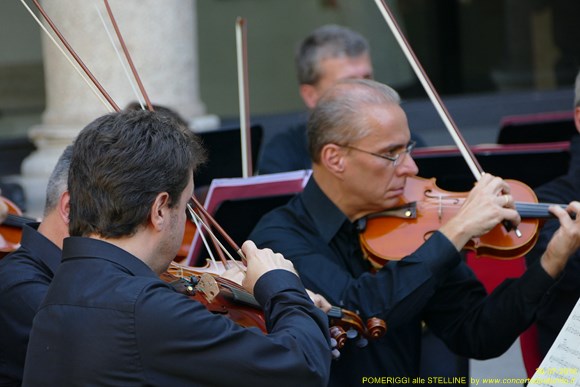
(395, 158)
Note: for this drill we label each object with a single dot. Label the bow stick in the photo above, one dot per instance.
(219, 228)
(128, 56)
(243, 94)
(114, 105)
(468, 155)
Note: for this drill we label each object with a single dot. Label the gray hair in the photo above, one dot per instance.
(329, 41)
(577, 91)
(337, 119)
(57, 183)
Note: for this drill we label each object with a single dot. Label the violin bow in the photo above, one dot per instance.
(452, 128)
(228, 239)
(111, 104)
(127, 55)
(110, 100)
(245, 135)
(219, 247)
(243, 95)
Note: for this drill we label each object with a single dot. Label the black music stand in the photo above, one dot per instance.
(225, 153)
(237, 204)
(524, 162)
(537, 128)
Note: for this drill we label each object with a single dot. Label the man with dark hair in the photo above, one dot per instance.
(163, 110)
(26, 273)
(328, 54)
(109, 320)
(564, 296)
(360, 145)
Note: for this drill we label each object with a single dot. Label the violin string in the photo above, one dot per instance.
(118, 54)
(219, 228)
(201, 234)
(526, 210)
(218, 250)
(222, 247)
(217, 240)
(537, 210)
(43, 28)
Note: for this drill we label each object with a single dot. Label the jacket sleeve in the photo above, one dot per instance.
(190, 343)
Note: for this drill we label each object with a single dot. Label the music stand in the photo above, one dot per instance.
(237, 204)
(523, 162)
(225, 153)
(537, 128)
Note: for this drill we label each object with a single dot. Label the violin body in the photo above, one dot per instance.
(393, 234)
(222, 296)
(217, 294)
(11, 228)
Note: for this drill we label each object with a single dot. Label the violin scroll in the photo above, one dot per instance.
(376, 327)
(11, 227)
(353, 327)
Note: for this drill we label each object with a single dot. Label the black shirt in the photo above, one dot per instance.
(564, 295)
(109, 320)
(286, 151)
(431, 285)
(25, 276)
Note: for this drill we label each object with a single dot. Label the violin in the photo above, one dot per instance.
(222, 296)
(424, 208)
(11, 228)
(219, 295)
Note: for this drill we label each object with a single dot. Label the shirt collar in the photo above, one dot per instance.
(51, 253)
(326, 215)
(82, 247)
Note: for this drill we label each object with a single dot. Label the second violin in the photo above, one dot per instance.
(222, 296)
(11, 228)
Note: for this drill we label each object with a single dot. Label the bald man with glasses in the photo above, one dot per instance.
(360, 145)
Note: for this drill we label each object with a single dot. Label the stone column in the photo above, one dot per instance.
(161, 37)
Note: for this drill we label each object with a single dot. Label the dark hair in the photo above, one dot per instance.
(163, 110)
(329, 41)
(120, 163)
(57, 183)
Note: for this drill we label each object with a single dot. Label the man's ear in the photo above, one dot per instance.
(160, 211)
(577, 118)
(64, 207)
(332, 157)
(309, 95)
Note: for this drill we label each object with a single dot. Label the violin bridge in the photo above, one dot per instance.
(208, 286)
